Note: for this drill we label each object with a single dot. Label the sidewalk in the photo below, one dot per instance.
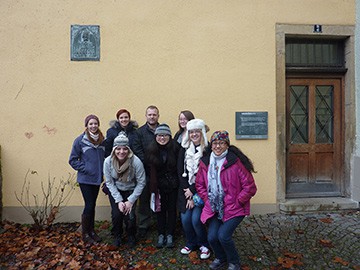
(302, 241)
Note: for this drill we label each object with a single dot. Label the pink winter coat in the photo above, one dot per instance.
(238, 185)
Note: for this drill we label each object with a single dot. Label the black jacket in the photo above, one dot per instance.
(114, 131)
(144, 137)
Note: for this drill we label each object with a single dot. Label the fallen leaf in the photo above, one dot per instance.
(341, 261)
(326, 243)
(326, 220)
(265, 238)
(253, 258)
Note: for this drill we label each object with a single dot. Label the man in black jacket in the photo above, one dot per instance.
(145, 136)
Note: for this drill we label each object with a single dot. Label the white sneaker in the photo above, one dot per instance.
(205, 253)
(185, 250)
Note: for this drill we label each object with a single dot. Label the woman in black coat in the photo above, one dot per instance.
(123, 123)
(161, 157)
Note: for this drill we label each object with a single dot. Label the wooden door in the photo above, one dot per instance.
(314, 137)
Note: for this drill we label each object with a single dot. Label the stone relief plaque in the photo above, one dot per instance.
(85, 43)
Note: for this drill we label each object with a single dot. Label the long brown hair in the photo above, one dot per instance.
(188, 115)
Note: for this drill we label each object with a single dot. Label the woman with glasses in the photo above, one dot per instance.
(184, 118)
(161, 157)
(225, 183)
(194, 145)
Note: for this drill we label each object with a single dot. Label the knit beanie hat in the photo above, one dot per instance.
(221, 135)
(163, 129)
(191, 125)
(89, 117)
(121, 140)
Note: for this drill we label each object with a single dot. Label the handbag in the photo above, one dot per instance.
(155, 203)
(105, 189)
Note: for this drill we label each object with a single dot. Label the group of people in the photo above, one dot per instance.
(146, 169)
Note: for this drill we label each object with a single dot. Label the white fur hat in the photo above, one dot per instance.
(191, 125)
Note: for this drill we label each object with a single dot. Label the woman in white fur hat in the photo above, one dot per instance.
(194, 144)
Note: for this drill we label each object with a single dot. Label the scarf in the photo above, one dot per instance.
(215, 189)
(191, 161)
(122, 170)
(95, 138)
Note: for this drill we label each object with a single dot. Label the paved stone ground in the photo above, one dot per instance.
(313, 241)
(301, 241)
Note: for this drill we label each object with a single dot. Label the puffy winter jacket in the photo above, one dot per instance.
(87, 159)
(238, 185)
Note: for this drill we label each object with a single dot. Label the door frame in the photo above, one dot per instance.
(345, 32)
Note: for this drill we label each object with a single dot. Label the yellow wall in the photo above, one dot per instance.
(212, 57)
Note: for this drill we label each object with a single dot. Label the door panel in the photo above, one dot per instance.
(314, 137)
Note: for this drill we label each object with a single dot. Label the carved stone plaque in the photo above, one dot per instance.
(251, 125)
(85, 42)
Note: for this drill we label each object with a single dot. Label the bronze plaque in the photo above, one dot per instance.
(85, 42)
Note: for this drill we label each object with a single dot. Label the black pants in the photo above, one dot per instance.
(166, 218)
(119, 218)
(90, 194)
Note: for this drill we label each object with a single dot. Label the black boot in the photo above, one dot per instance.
(85, 225)
(131, 241)
(92, 232)
(117, 241)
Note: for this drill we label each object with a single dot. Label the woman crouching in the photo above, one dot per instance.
(226, 185)
(125, 178)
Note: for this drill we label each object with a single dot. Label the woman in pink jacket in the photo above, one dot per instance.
(226, 185)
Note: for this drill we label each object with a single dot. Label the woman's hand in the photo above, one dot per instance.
(128, 207)
(188, 194)
(121, 206)
(190, 204)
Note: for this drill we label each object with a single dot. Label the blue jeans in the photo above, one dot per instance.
(195, 231)
(220, 238)
(90, 194)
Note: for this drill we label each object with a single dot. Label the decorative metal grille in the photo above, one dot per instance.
(299, 118)
(324, 96)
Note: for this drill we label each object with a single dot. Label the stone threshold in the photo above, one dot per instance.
(317, 204)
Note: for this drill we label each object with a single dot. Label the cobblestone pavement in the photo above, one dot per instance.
(301, 241)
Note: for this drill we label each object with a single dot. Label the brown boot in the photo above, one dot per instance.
(92, 232)
(85, 224)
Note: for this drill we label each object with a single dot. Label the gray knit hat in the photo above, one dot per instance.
(121, 140)
(163, 129)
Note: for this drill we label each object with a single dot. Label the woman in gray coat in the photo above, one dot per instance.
(125, 178)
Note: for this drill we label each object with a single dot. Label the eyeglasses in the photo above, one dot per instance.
(220, 143)
(163, 135)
